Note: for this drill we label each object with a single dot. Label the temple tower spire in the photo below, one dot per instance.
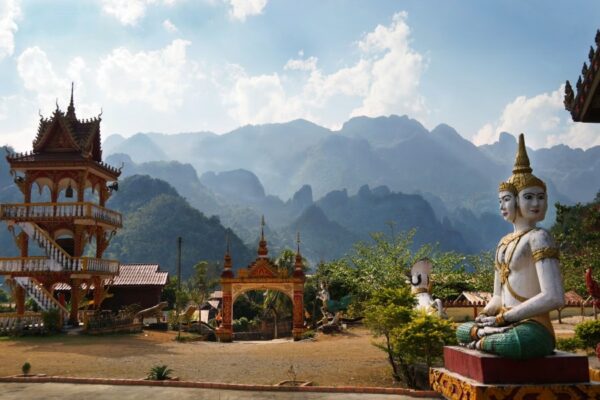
(71, 109)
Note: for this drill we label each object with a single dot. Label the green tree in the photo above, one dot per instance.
(409, 337)
(3, 296)
(577, 231)
(169, 293)
(454, 273)
(387, 310)
(421, 341)
(384, 263)
(202, 282)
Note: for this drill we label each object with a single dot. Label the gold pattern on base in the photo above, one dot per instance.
(456, 387)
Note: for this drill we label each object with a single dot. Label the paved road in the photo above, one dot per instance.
(61, 391)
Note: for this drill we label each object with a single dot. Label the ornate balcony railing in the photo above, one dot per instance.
(45, 264)
(52, 211)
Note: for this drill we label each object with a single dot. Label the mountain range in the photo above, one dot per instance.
(394, 151)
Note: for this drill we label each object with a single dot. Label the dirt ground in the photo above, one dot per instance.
(343, 359)
(347, 359)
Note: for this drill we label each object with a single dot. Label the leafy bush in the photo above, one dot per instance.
(26, 368)
(159, 373)
(3, 296)
(410, 338)
(588, 332)
(240, 325)
(308, 334)
(51, 320)
(30, 304)
(569, 344)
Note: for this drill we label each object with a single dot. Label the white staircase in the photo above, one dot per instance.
(52, 249)
(41, 296)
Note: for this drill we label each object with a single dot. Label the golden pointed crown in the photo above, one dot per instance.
(522, 176)
(507, 187)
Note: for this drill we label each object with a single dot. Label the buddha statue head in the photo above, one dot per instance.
(507, 197)
(532, 201)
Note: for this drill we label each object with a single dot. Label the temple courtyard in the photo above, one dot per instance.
(340, 360)
(329, 360)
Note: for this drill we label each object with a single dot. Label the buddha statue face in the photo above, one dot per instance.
(533, 203)
(508, 205)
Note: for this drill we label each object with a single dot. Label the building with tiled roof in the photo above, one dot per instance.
(136, 283)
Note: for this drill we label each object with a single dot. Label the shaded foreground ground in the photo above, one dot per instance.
(48, 391)
(347, 359)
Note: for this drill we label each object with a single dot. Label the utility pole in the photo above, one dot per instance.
(178, 297)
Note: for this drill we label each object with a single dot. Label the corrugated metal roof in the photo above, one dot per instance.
(133, 275)
(573, 297)
(476, 297)
(140, 274)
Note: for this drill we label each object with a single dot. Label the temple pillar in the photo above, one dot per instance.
(102, 195)
(298, 311)
(225, 331)
(26, 188)
(19, 299)
(81, 186)
(54, 193)
(100, 242)
(75, 293)
(98, 292)
(78, 237)
(23, 240)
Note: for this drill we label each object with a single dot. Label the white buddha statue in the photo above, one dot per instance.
(421, 287)
(527, 283)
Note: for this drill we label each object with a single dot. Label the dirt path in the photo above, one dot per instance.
(347, 359)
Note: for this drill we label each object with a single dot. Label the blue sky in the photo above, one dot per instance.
(190, 65)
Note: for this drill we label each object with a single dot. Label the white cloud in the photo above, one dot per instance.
(384, 80)
(10, 12)
(129, 12)
(169, 26)
(261, 99)
(543, 120)
(158, 77)
(309, 64)
(240, 9)
(38, 76)
(395, 73)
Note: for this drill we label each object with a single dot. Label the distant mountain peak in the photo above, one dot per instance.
(506, 138)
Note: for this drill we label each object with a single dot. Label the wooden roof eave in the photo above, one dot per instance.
(58, 119)
(591, 96)
(101, 169)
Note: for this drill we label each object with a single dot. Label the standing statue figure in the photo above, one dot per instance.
(421, 286)
(527, 281)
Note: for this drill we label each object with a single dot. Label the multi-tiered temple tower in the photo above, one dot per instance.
(65, 186)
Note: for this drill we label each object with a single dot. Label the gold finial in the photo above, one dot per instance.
(263, 251)
(522, 160)
(227, 265)
(298, 241)
(522, 176)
